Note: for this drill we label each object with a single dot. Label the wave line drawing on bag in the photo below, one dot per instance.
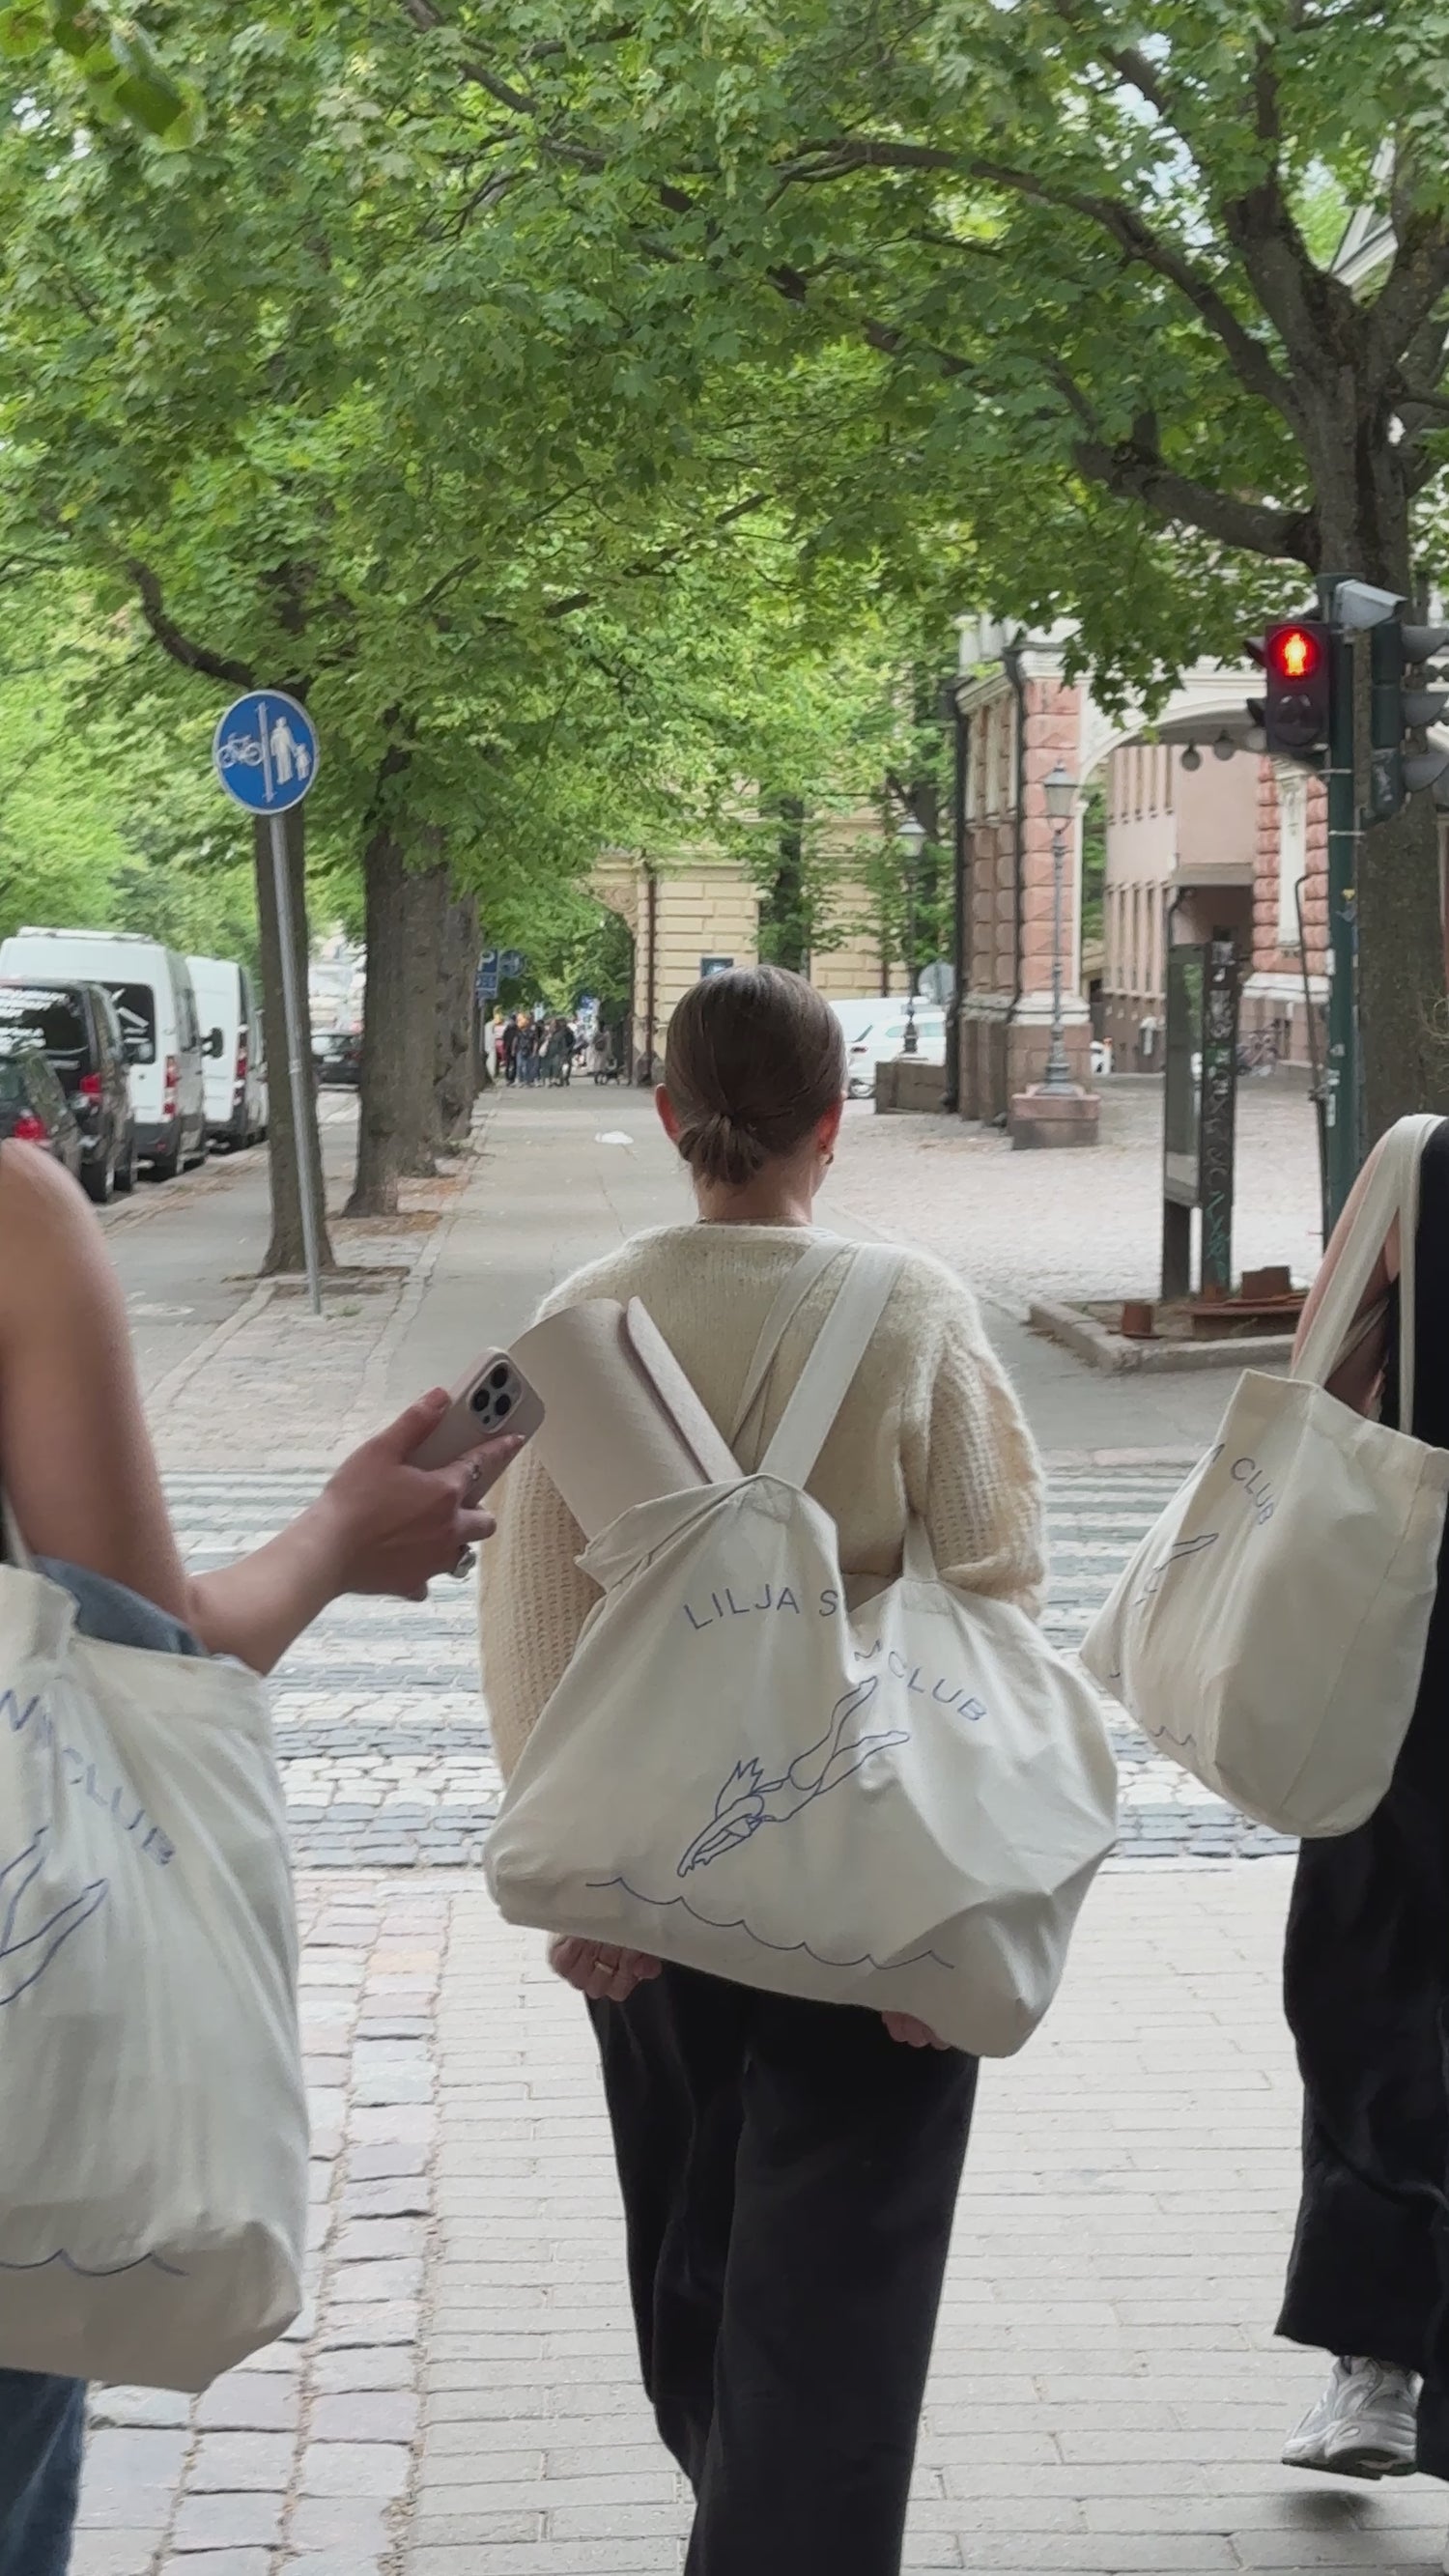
(783, 1949)
(97, 2271)
(1178, 1554)
(748, 1800)
(25, 1954)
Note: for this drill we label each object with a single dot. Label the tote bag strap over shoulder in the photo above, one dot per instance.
(1393, 1191)
(814, 1261)
(829, 1372)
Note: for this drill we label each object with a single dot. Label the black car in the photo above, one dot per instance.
(33, 1108)
(77, 1027)
(338, 1056)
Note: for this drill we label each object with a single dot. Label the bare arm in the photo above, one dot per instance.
(81, 1477)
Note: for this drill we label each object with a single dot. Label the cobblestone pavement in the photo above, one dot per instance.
(1020, 1226)
(461, 2397)
(384, 1742)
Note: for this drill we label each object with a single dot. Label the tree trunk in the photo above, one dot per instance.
(785, 914)
(457, 1078)
(1403, 1036)
(285, 1251)
(399, 1035)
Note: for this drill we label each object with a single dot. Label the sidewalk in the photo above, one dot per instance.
(460, 2397)
(462, 2400)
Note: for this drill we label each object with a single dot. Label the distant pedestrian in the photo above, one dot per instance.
(789, 2169)
(558, 1048)
(527, 1053)
(508, 1051)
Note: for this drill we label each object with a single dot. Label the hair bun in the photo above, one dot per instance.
(720, 1147)
(755, 1061)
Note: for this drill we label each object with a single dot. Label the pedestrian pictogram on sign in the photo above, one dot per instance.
(265, 751)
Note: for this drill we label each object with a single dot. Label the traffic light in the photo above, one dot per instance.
(1291, 719)
(1397, 770)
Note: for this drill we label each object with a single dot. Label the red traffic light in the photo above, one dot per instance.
(1293, 653)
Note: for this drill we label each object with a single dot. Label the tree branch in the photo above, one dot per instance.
(648, 566)
(1413, 292)
(1248, 357)
(430, 22)
(1133, 469)
(181, 647)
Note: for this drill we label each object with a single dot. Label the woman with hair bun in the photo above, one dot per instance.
(789, 2169)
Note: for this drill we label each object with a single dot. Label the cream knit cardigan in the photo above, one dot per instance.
(931, 1427)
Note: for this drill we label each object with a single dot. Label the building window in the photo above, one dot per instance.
(1292, 787)
(981, 761)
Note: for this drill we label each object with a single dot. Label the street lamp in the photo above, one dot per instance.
(911, 835)
(1061, 796)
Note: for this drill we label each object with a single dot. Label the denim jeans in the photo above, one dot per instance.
(42, 2435)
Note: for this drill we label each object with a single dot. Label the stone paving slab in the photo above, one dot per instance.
(461, 2397)
(1027, 1226)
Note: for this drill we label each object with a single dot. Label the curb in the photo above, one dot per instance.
(166, 1389)
(372, 1398)
(1116, 1356)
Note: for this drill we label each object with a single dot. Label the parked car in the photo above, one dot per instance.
(235, 1075)
(33, 1108)
(859, 1013)
(887, 1039)
(78, 1031)
(152, 991)
(337, 1056)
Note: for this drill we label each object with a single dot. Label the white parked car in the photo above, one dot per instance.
(886, 1039)
(152, 991)
(236, 1065)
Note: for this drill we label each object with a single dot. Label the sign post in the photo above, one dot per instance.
(265, 754)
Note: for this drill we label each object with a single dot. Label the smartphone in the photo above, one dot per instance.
(495, 1396)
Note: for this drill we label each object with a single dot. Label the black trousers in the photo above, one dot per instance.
(1366, 1983)
(790, 2178)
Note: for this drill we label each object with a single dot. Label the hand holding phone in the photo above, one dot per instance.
(493, 1398)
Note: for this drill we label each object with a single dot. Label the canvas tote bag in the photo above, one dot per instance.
(1269, 1633)
(153, 2127)
(901, 1806)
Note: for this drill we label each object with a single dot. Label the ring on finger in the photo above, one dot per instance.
(463, 1564)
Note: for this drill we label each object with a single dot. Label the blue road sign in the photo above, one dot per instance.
(265, 751)
(511, 964)
(486, 982)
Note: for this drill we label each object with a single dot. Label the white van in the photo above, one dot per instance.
(231, 1038)
(151, 988)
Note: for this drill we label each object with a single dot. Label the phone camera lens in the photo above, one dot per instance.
(481, 1399)
(504, 1405)
(499, 1376)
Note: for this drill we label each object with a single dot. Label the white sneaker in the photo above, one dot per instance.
(1363, 2425)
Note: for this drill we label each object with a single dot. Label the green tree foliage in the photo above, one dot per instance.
(106, 814)
(1079, 256)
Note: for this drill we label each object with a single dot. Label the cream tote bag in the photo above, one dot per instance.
(153, 2125)
(901, 1806)
(1269, 1633)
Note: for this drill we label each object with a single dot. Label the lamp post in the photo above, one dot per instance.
(911, 835)
(1061, 796)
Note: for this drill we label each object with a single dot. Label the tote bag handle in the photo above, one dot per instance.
(1393, 1191)
(829, 1372)
(814, 1261)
